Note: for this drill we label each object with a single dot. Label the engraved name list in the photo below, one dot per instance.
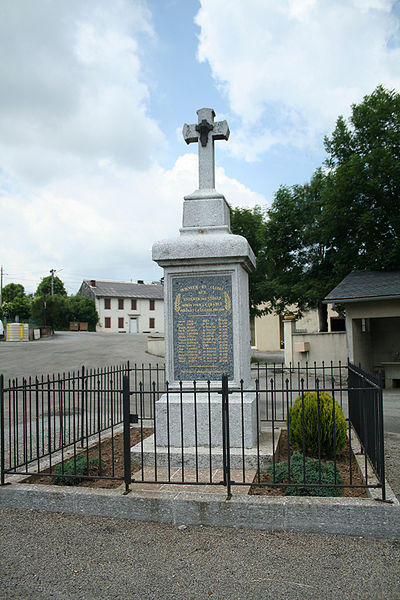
(202, 327)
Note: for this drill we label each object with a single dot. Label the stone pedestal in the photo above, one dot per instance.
(206, 295)
(207, 329)
(190, 421)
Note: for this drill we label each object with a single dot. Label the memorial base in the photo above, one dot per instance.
(147, 454)
(196, 420)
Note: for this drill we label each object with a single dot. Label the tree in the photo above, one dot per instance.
(362, 192)
(11, 291)
(20, 307)
(346, 218)
(44, 287)
(50, 310)
(250, 223)
(83, 309)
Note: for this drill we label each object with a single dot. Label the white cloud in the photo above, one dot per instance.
(104, 224)
(289, 68)
(71, 87)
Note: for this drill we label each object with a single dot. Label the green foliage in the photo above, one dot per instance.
(250, 223)
(82, 309)
(306, 407)
(44, 287)
(77, 467)
(20, 306)
(362, 192)
(58, 311)
(297, 253)
(50, 310)
(308, 471)
(346, 218)
(12, 291)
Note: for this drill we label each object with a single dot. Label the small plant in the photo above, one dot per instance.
(330, 437)
(77, 467)
(307, 470)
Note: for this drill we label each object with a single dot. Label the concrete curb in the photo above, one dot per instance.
(348, 516)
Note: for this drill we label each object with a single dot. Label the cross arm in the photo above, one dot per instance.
(221, 130)
(190, 134)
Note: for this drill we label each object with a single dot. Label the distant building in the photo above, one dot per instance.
(267, 331)
(371, 300)
(126, 307)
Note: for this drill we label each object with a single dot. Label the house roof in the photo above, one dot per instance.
(362, 286)
(124, 289)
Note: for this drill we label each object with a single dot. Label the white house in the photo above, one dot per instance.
(126, 307)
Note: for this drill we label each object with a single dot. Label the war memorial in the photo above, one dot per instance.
(207, 331)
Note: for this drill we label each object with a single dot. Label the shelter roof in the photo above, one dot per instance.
(361, 286)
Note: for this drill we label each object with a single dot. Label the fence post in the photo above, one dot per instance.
(83, 397)
(381, 436)
(127, 439)
(226, 457)
(2, 461)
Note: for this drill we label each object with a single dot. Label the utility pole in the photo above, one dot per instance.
(52, 271)
(1, 285)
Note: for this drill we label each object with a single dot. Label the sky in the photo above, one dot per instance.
(94, 95)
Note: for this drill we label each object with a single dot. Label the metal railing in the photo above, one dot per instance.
(366, 416)
(191, 435)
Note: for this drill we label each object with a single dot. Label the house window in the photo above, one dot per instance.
(152, 323)
(152, 302)
(120, 304)
(107, 303)
(120, 322)
(133, 304)
(107, 322)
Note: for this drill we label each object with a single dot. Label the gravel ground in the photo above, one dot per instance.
(45, 555)
(392, 461)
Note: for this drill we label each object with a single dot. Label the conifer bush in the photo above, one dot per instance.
(329, 413)
(307, 470)
(77, 466)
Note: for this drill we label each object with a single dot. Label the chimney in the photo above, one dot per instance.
(92, 283)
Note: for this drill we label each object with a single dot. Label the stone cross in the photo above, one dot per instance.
(205, 132)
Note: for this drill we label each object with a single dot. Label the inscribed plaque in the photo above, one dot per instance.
(202, 327)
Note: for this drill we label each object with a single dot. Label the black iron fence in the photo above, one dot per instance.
(366, 416)
(45, 419)
(127, 424)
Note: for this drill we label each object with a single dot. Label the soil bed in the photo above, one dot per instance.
(342, 464)
(111, 454)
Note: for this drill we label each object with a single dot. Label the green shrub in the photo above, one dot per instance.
(310, 475)
(77, 466)
(327, 441)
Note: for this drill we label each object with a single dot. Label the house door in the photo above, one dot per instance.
(133, 325)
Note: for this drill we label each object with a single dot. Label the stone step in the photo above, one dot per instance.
(147, 454)
(191, 480)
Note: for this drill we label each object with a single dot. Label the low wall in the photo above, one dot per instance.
(320, 347)
(156, 345)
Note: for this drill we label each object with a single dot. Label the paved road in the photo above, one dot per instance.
(68, 351)
(73, 557)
